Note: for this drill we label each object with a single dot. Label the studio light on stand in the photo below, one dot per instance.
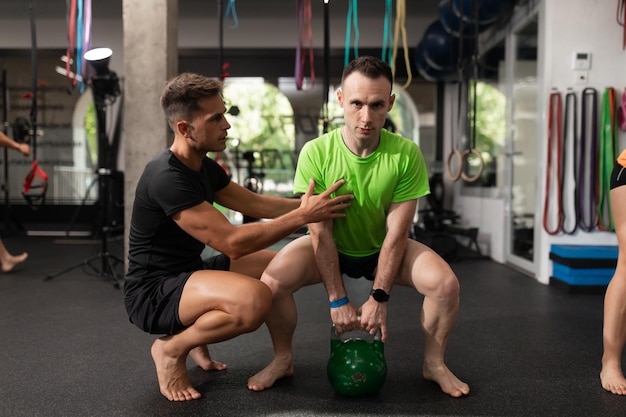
(105, 87)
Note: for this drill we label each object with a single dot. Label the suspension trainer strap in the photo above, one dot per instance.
(607, 156)
(455, 154)
(472, 148)
(35, 186)
(569, 171)
(41, 186)
(555, 115)
(587, 164)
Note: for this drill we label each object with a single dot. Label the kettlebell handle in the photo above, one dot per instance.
(356, 334)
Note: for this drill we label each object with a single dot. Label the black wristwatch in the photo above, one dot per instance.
(379, 295)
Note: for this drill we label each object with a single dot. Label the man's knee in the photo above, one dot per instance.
(449, 285)
(284, 279)
(253, 313)
(441, 283)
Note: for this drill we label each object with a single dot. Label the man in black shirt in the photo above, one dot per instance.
(169, 289)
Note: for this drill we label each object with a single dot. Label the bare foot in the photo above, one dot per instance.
(9, 263)
(201, 357)
(613, 380)
(448, 382)
(277, 369)
(172, 374)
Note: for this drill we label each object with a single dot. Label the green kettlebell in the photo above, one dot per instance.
(356, 366)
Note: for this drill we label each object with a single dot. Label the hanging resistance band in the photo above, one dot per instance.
(388, 43)
(305, 32)
(607, 156)
(570, 119)
(79, 36)
(588, 156)
(69, 53)
(36, 181)
(400, 27)
(231, 10)
(553, 170)
(86, 43)
(352, 21)
(621, 112)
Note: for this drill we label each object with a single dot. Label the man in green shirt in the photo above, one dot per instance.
(387, 174)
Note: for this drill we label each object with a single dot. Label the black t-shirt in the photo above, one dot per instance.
(157, 246)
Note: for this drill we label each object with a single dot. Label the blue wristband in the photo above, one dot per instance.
(340, 302)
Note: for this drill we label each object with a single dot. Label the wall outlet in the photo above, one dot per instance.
(581, 77)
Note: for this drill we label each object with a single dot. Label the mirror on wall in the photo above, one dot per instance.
(523, 158)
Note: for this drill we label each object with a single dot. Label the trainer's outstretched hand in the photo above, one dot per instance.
(322, 206)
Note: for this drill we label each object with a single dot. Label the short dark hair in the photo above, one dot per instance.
(370, 66)
(179, 99)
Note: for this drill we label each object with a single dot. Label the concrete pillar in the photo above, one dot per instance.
(150, 59)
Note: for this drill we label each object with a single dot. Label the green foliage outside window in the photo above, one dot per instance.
(265, 118)
(91, 134)
(490, 131)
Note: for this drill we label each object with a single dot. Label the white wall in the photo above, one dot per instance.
(565, 27)
(576, 26)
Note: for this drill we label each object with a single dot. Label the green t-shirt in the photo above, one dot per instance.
(395, 172)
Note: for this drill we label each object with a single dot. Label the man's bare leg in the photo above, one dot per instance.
(9, 261)
(281, 323)
(202, 358)
(172, 373)
(438, 317)
(298, 260)
(441, 289)
(229, 315)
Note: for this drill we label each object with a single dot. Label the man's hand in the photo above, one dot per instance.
(23, 148)
(321, 207)
(374, 318)
(345, 318)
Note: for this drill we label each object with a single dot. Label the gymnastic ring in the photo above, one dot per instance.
(459, 157)
(480, 168)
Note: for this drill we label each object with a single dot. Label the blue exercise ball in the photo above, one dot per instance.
(426, 71)
(440, 49)
(443, 51)
(488, 12)
(454, 25)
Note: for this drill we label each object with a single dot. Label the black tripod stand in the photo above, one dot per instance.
(108, 262)
(105, 86)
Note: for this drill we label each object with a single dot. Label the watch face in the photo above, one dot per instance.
(380, 295)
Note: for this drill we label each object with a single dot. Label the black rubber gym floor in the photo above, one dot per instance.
(67, 349)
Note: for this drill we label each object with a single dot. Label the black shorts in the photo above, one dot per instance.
(618, 176)
(154, 306)
(359, 267)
